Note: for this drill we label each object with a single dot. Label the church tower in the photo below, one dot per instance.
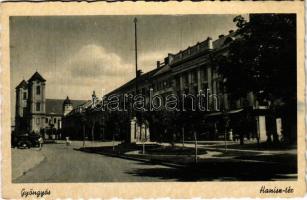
(67, 106)
(36, 102)
(21, 106)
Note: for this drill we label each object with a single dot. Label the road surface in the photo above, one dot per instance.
(62, 164)
(67, 164)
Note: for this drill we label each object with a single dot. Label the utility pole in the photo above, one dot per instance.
(225, 114)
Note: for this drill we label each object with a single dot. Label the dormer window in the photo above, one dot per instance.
(38, 90)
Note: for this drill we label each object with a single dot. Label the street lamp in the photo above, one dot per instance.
(83, 121)
(226, 120)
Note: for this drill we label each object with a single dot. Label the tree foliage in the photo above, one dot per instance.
(263, 57)
(262, 60)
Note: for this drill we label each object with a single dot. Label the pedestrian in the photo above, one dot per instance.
(68, 142)
(40, 140)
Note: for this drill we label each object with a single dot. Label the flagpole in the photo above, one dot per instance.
(136, 54)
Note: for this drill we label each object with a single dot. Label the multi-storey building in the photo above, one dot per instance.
(191, 71)
(188, 72)
(36, 113)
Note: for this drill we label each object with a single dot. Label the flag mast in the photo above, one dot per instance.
(136, 54)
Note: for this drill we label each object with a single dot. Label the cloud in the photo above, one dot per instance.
(148, 60)
(94, 61)
(90, 68)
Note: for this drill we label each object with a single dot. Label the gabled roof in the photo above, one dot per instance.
(37, 76)
(22, 84)
(55, 106)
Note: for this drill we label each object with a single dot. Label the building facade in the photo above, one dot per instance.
(38, 114)
(190, 71)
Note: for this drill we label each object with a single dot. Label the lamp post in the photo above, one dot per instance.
(225, 116)
(83, 121)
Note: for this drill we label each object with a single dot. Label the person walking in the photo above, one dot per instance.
(40, 140)
(68, 142)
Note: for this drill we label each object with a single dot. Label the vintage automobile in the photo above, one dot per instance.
(25, 140)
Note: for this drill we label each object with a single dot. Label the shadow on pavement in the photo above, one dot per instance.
(222, 171)
(242, 167)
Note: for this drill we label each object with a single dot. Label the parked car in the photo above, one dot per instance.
(25, 140)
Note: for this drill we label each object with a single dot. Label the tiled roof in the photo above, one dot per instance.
(55, 106)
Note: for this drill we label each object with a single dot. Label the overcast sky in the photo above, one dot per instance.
(79, 54)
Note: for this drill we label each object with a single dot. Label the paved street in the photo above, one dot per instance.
(59, 163)
(21, 162)
(62, 164)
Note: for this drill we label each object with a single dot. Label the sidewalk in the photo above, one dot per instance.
(79, 143)
(25, 159)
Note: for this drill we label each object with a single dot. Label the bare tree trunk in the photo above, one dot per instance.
(182, 136)
(83, 136)
(92, 130)
(195, 138)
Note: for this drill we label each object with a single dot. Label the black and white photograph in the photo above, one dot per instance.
(154, 98)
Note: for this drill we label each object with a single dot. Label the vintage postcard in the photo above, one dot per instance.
(148, 100)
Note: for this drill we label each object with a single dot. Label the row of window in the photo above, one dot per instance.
(38, 92)
(162, 85)
(194, 77)
(38, 120)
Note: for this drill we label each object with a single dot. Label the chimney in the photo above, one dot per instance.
(139, 73)
(158, 64)
(220, 36)
(170, 58)
(166, 60)
(209, 41)
(94, 98)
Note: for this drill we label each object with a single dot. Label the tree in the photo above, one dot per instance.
(262, 60)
